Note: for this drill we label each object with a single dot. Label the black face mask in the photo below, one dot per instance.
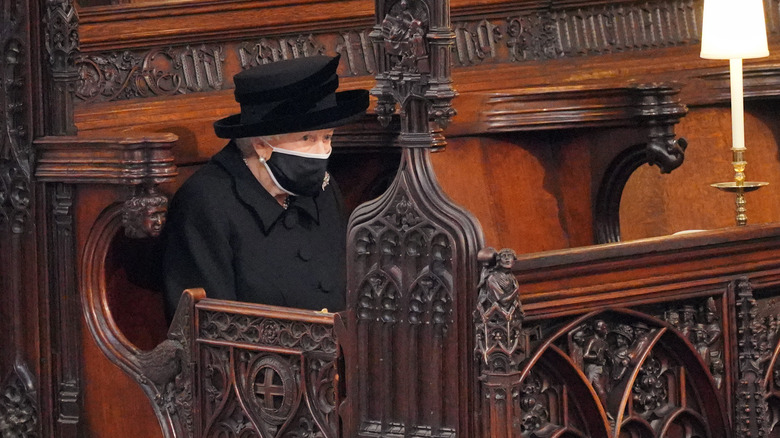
(298, 173)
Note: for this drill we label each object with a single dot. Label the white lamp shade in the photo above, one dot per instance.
(733, 29)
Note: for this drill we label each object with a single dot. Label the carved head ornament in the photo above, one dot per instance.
(144, 216)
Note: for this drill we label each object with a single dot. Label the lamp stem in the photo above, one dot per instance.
(738, 136)
(737, 105)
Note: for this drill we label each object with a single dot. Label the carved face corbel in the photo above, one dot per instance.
(143, 215)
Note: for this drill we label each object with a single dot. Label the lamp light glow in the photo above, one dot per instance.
(733, 29)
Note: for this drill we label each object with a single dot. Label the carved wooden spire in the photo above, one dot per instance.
(412, 260)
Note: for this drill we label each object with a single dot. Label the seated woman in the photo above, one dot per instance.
(262, 221)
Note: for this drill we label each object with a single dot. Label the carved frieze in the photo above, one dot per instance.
(268, 50)
(159, 72)
(357, 52)
(18, 406)
(633, 371)
(595, 30)
(303, 336)
(476, 42)
(607, 351)
(506, 36)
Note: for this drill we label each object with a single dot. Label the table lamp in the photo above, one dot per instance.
(735, 30)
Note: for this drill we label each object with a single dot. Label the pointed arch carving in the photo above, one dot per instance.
(436, 261)
(618, 372)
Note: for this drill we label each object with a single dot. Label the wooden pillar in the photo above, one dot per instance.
(411, 260)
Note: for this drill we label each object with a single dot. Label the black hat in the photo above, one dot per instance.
(293, 95)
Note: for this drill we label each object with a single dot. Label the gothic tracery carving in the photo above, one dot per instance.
(251, 393)
(62, 36)
(18, 406)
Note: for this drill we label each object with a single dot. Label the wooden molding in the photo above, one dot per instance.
(128, 160)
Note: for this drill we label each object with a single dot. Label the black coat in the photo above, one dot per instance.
(227, 234)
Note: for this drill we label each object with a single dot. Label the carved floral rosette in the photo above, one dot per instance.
(264, 376)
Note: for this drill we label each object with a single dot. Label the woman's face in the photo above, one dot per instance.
(312, 142)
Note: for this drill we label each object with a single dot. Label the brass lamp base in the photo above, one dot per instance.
(746, 187)
(740, 188)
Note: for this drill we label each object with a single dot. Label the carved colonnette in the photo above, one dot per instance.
(24, 391)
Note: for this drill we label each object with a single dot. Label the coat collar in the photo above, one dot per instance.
(252, 193)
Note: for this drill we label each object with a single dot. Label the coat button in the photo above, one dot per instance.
(290, 219)
(326, 285)
(305, 253)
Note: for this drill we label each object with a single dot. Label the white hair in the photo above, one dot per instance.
(245, 143)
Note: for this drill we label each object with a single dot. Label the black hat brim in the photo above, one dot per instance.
(350, 104)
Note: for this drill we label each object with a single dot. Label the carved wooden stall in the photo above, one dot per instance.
(662, 337)
(107, 108)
